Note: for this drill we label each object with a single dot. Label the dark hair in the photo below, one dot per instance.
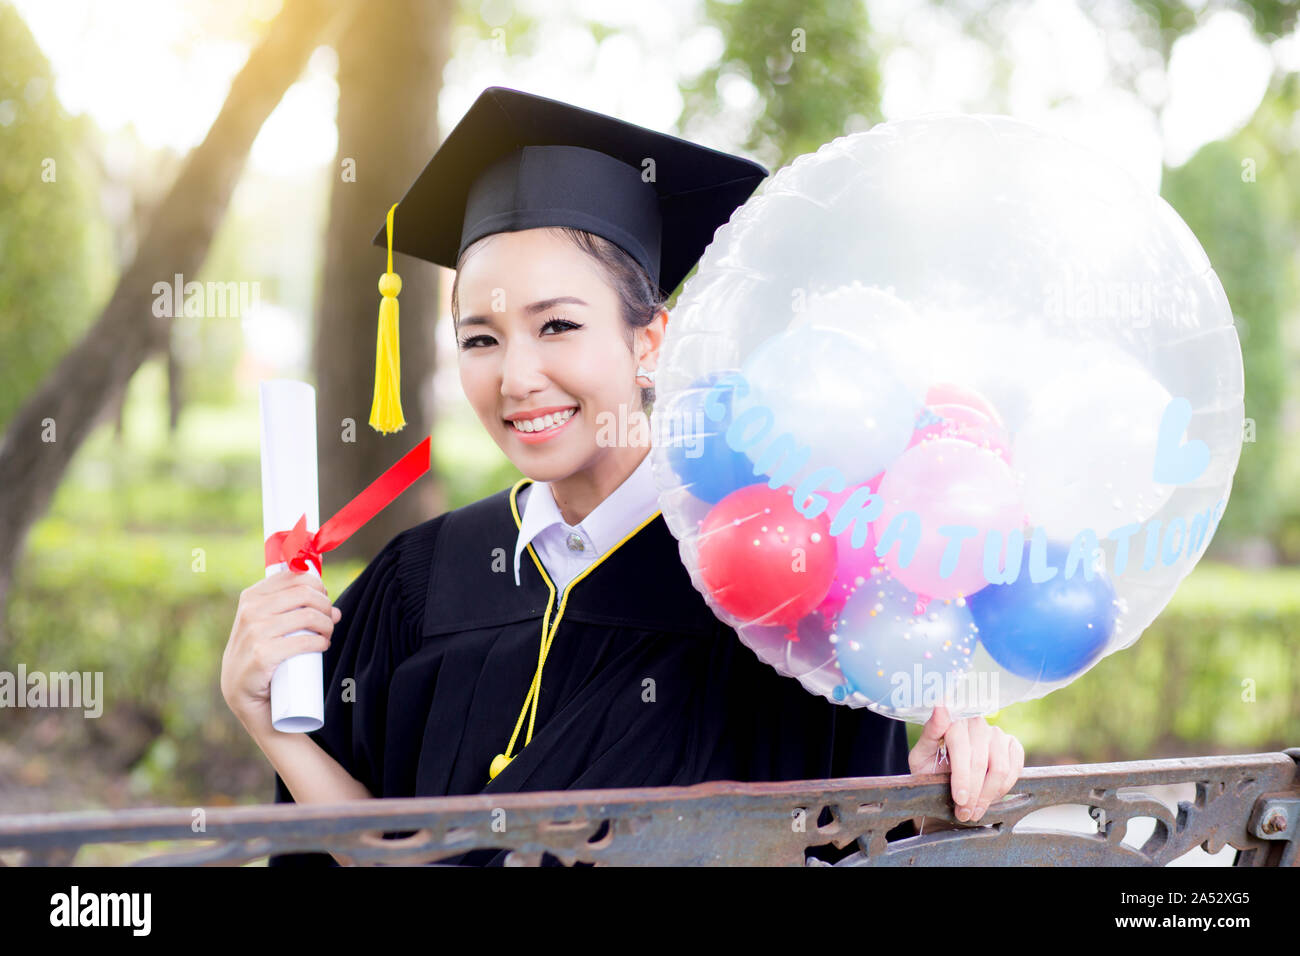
(638, 294)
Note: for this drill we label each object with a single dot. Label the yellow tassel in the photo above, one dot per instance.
(386, 411)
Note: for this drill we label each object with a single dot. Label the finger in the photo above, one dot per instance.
(942, 720)
(289, 578)
(999, 764)
(978, 735)
(932, 731)
(922, 758)
(1017, 762)
(958, 741)
(304, 618)
(300, 596)
(282, 648)
(272, 582)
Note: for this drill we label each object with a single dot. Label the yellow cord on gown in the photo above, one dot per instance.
(386, 409)
(501, 761)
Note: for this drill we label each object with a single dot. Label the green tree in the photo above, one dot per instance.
(1237, 195)
(812, 64)
(91, 375)
(54, 243)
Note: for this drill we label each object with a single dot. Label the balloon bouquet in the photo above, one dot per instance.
(948, 411)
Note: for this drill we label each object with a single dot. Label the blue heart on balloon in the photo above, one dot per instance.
(1178, 463)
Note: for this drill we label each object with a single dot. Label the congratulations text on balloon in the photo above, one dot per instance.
(1182, 538)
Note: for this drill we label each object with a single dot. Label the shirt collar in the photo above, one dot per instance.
(609, 522)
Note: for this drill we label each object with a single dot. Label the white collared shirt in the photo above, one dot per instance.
(567, 550)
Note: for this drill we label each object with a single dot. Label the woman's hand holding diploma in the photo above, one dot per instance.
(269, 610)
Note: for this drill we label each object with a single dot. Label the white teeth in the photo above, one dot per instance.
(539, 424)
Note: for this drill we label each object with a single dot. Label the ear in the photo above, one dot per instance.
(650, 338)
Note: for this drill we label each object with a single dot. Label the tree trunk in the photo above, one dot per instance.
(390, 72)
(175, 380)
(82, 388)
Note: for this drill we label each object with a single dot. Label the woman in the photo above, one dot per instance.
(564, 593)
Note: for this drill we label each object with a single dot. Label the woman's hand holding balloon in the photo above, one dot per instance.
(984, 761)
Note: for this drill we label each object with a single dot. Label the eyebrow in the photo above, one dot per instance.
(532, 309)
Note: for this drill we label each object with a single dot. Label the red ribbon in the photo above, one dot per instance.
(299, 547)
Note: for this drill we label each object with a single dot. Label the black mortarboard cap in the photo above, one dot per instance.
(519, 161)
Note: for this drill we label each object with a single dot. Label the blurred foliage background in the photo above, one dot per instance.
(155, 529)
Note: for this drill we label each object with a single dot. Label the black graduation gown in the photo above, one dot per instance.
(443, 647)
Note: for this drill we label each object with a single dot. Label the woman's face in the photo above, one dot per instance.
(540, 331)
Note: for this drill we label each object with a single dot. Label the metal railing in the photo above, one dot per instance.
(1248, 801)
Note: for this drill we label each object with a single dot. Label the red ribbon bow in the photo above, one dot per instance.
(299, 547)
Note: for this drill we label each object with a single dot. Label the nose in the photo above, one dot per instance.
(522, 370)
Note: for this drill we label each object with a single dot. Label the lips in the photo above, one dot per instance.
(538, 412)
(565, 414)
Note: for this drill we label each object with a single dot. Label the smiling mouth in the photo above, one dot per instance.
(556, 423)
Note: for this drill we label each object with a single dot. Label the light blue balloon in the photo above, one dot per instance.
(897, 660)
(818, 397)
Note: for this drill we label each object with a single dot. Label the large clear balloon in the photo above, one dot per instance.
(951, 403)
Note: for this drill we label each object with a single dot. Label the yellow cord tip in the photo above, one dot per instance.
(499, 763)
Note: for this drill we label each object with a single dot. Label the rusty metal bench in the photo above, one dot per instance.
(1248, 801)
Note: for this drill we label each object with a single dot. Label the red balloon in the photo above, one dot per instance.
(750, 560)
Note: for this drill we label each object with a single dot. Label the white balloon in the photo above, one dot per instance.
(1087, 450)
(834, 396)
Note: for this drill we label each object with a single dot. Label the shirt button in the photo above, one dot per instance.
(575, 542)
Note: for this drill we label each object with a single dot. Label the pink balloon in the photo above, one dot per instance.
(968, 424)
(947, 481)
(854, 562)
(851, 563)
(946, 393)
(832, 604)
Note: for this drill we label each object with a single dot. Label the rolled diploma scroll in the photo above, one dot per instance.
(289, 491)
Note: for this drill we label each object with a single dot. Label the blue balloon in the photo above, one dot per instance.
(1047, 631)
(901, 661)
(698, 452)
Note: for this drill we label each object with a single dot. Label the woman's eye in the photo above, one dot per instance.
(564, 324)
(561, 322)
